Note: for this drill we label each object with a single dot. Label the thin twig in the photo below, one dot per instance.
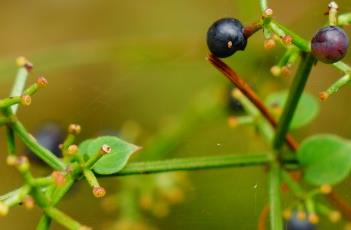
(294, 96)
(194, 163)
(274, 197)
(338, 201)
(251, 95)
(262, 219)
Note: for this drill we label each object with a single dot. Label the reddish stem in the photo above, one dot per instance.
(338, 201)
(262, 219)
(251, 29)
(333, 197)
(251, 95)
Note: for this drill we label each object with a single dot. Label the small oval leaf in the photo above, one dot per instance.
(326, 159)
(306, 110)
(83, 148)
(113, 161)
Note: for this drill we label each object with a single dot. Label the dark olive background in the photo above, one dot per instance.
(145, 61)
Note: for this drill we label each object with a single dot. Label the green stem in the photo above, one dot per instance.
(310, 206)
(344, 19)
(93, 159)
(293, 185)
(343, 67)
(17, 197)
(62, 218)
(44, 223)
(289, 57)
(196, 163)
(11, 101)
(91, 178)
(68, 141)
(245, 120)
(263, 5)
(295, 93)
(45, 220)
(274, 197)
(12, 193)
(34, 146)
(18, 87)
(4, 120)
(17, 90)
(334, 88)
(42, 181)
(298, 41)
(322, 209)
(61, 191)
(31, 90)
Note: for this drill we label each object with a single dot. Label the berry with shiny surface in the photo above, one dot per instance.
(330, 44)
(225, 37)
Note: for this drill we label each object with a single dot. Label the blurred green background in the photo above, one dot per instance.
(108, 62)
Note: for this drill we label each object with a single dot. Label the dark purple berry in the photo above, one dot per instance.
(295, 224)
(225, 37)
(330, 44)
(49, 135)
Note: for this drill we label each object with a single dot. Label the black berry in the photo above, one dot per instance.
(330, 44)
(295, 224)
(49, 135)
(225, 37)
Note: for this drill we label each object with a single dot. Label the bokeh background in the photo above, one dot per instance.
(109, 62)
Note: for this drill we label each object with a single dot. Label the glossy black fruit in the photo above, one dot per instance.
(225, 37)
(49, 135)
(295, 224)
(330, 44)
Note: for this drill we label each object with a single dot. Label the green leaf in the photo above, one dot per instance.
(83, 148)
(306, 110)
(326, 159)
(113, 161)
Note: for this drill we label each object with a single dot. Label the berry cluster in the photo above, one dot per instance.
(329, 45)
(228, 35)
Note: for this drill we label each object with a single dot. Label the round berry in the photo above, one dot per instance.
(330, 44)
(225, 37)
(294, 223)
(49, 135)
